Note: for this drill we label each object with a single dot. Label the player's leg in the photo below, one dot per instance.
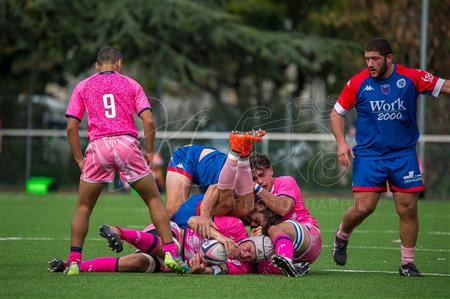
(87, 197)
(138, 262)
(227, 177)
(147, 189)
(406, 206)
(368, 180)
(283, 236)
(241, 144)
(181, 171)
(178, 187)
(364, 203)
(406, 182)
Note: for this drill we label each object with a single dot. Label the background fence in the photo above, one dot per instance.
(310, 158)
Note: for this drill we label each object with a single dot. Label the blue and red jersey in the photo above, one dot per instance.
(386, 125)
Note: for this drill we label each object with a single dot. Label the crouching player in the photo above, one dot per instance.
(297, 240)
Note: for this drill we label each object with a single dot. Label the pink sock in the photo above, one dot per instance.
(74, 256)
(284, 245)
(170, 247)
(143, 241)
(244, 179)
(228, 173)
(341, 234)
(101, 264)
(408, 255)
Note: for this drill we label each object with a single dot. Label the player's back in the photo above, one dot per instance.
(110, 100)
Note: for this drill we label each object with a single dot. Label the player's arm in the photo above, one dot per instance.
(215, 234)
(73, 137)
(149, 134)
(198, 265)
(343, 150)
(203, 223)
(279, 204)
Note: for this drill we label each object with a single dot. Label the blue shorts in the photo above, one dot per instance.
(185, 160)
(187, 210)
(402, 174)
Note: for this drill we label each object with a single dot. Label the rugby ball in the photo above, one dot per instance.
(214, 252)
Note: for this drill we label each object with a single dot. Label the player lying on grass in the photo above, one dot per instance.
(297, 238)
(149, 256)
(201, 165)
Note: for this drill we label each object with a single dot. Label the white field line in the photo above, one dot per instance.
(362, 231)
(392, 248)
(376, 271)
(325, 246)
(43, 239)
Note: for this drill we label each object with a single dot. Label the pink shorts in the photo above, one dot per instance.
(315, 246)
(110, 155)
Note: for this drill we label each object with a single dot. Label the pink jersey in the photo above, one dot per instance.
(110, 100)
(287, 186)
(230, 227)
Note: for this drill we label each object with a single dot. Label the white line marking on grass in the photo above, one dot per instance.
(363, 231)
(376, 271)
(393, 248)
(42, 239)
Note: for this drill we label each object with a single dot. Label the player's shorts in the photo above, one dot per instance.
(190, 208)
(176, 232)
(402, 174)
(107, 156)
(205, 172)
(310, 255)
(315, 246)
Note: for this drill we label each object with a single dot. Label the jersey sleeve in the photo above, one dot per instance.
(231, 227)
(236, 267)
(287, 186)
(349, 94)
(426, 83)
(347, 99)
(141, 102)
(75, 109)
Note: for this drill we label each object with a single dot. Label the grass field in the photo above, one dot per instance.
(34, 229)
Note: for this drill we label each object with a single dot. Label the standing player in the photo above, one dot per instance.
(384, 95)
(110, 100)
(297, 238)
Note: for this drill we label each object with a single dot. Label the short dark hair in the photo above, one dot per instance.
(259, 161)
(271, 219)
(109, 54)
(380, 45)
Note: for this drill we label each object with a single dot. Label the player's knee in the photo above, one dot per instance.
(407, 210)
(84, 209)
(133, 263)
(364, 211)
(274, 230)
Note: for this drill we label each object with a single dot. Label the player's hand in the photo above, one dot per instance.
(197, 264)
(148, 158)
(257, 231)
(80, 164)
(344, 152)
(203, 226)
(229, 244)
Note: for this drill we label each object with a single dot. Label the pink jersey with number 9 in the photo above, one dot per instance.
(110, 100)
